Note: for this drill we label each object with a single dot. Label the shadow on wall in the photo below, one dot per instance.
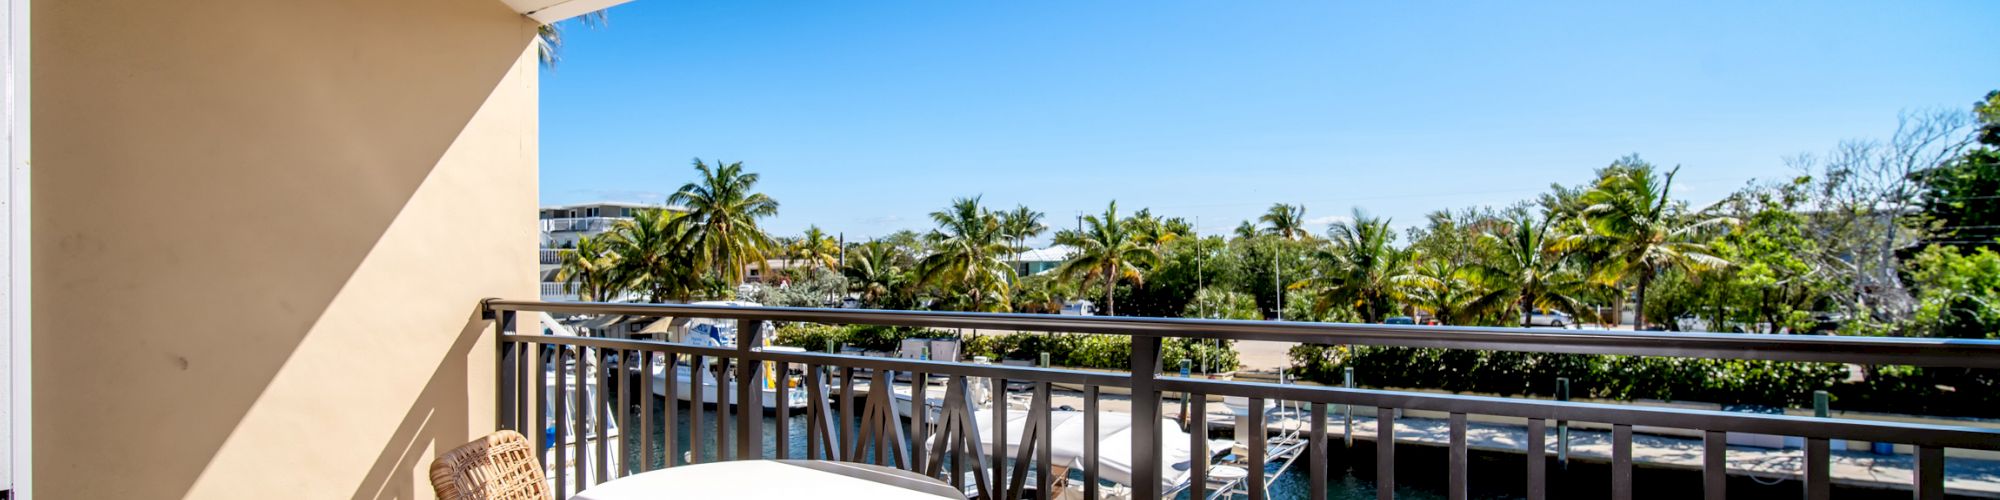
(435, 423)
(211, 178)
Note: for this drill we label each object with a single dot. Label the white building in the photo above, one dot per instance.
(563, 225)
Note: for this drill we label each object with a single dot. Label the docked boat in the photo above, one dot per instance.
(702, 387)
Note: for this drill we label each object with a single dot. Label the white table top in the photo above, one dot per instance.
(788, 479)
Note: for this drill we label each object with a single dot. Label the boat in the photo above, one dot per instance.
(684, 376)
(579, 452)
(722, 333)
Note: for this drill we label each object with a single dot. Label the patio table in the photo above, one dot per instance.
(788, 479)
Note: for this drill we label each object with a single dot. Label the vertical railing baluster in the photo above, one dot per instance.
(1538, 460)
(1714, 465)
(561, 409)
(1145, 417)
(919, 413)
(602, 408)
(697, 382)
(999, 407)
(781, 381)
(1818, 486)
(1316, 468)
(1621, 462)
(646, 407)
(844, 420)
(749, 400)
(1197, 446)
(580, 423)
(539, 433)
(1090, 443)
(503, 382)
(1385, 453)
(815, 399)
(1044, 457)
(723, 452)
(670, 406)
(1455, 484)
(623, 414)
(1930, 473)
(527, 365)
(1259, 431)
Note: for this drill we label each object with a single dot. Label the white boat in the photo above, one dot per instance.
(722, 333)
(794, 397)
(579, 452)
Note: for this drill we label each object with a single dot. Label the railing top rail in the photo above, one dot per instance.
(1866, 350)
(1016, 373)
(1683, 418)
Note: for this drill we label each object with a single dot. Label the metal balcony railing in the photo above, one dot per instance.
(878, 431)
(581, 224)
(552, 256)
(558, 291)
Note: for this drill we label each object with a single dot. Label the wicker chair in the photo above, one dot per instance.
(500, 466)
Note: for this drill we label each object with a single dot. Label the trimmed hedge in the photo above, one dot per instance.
(1904, 390)
(1111, 352)
(1065, 349)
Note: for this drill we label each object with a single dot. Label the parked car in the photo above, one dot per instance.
(1545, 317)
(1399, 320)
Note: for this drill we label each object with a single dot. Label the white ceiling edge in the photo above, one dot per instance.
(550, 11)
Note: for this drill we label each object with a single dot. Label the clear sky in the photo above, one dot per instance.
(863, 117)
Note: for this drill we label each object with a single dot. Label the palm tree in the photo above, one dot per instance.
(721, 223)
(1640, 230)
(1362, 267)
(548, 37)
(1156, 232)
(590, 268)
(1108, 249)
(816, 248)
(1525, 268)
(968, 248)
(1288, 221)
(875, 271)
(1246, 230)
(652, 255)
(1440, 286)
(1021, 223)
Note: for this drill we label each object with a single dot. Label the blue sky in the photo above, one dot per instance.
(863, 117)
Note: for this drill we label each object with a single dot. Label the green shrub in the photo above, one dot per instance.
(813, 336)
(1112, 352)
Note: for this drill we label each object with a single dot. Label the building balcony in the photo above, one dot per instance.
(553, 256)
(580, 224)
(859, 408)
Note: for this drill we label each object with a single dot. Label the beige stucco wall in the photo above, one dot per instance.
(261, 231)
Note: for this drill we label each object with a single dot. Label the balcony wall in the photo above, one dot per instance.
(375, 157)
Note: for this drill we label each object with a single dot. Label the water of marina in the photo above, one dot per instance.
(1290, 485)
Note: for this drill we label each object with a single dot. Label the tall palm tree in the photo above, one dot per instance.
(1440, 286)
(1639, 230)
(968, 251)
(816, 248)
(1362, 267)
(591, 268)
(723, 207)
(652, 255)
(1526, 268)
(1020, 224)
(1246, 230)
(1157, 232)
(1108, 249)
(1288, 221)
(875, 271)
(548, 37)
